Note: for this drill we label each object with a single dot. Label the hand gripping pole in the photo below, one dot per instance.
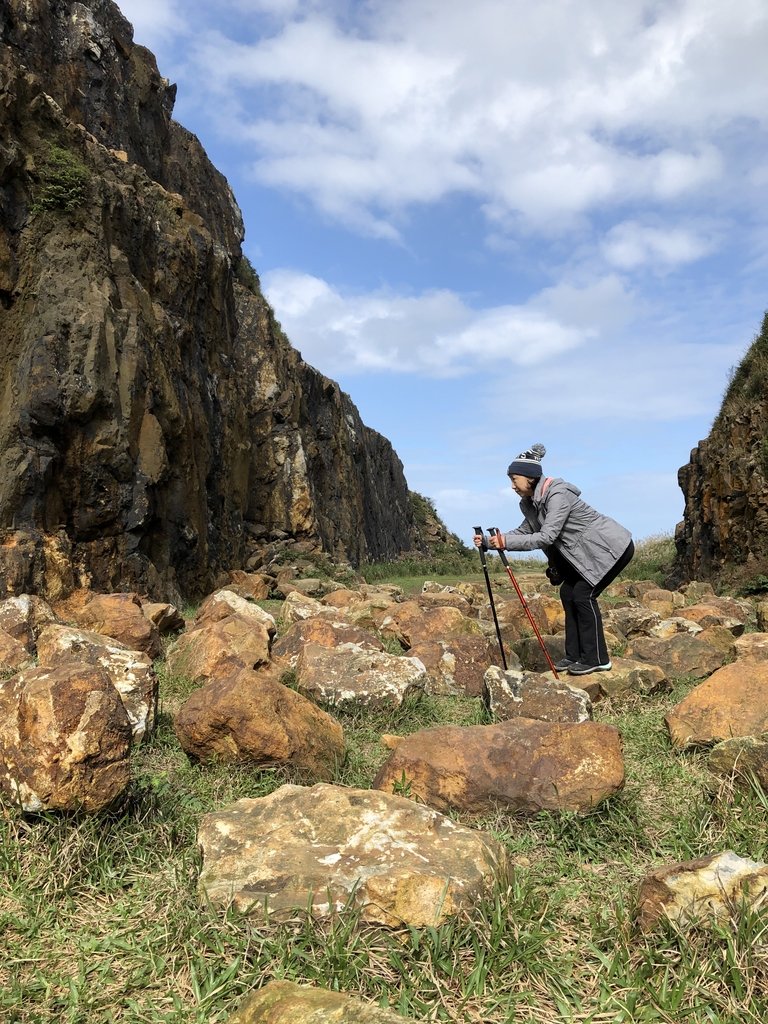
(505, 562)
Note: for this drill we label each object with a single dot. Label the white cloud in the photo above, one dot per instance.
(543, 114)
(434, 333)
(632, 244)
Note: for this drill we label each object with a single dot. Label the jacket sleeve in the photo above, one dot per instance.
(557, 512)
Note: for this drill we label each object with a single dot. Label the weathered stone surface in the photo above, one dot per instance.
(742, 757)
(533, 658)
(732, 702)
(157, 422)
(350, 675)
(445, 600)
(65, 739)
(663, 602)
(342, 598)
(217, 648)
(257, 585)
(223, 603)
(457, 666)
(120, 617)
(697, 590)
(249, 715)
(284, 1002)
(23, 616)
(696, 890)
(711, 614)
(632, 621)
(514, 694)
(329, 846)
(166, 617)
(411, 624)
(669, 627)
(522, 764)
(681, 655)
(298, 606)
(325, 632)
(13, 654)
(627, 676)
(751, 645)
(131, 672)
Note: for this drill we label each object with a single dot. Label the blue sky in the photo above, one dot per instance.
(498, 223)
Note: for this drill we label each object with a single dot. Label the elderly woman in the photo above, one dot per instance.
(585, 550)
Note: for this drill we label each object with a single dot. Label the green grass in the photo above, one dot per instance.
(101, 920)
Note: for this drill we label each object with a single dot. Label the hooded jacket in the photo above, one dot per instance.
(557, 517)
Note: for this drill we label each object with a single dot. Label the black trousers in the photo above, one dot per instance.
(584, 637)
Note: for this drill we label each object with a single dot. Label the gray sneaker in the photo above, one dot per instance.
(577, 668)
(563, 664)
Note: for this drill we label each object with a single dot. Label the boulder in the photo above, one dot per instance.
(672, 626)
(251, 716)
(217, 648)
(341, 598)
(744, 757)
(751, 645)
(256, 585)
(298, 606)
(722, 613)
(521, 764)
(531, 655)
(325, 632)
(633, 621)
(457, 666)
(328, 847)
(516, 694)
(350, 675)
(411, 624)
(224, 603)
(679, 656)
(120, 617)
(629, 677)
(131, 672)
(23, 616)
(693, 891)
(166, 617)
(13, 654)
(285, 1002)
(732, 702)
(65, 739)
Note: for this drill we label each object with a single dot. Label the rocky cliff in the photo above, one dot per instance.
(724, 532)
(156, 427)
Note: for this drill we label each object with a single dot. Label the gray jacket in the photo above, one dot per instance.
(591, 542)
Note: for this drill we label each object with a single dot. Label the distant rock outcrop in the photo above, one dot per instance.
(157, 428)
(724, 532)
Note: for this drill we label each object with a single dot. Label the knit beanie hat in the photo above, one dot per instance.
(528, 463)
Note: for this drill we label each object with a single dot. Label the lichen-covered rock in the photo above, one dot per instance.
(132, 672)
(520, 764)
(743, 757)
(285, 1002)
(24, 616)
(627, 677)
(680, 655)
(350, 675)
(224, 603)
(695, 891)
(325, 632)
(514, 694)
(456, 666)
(65, 739)
(327, 847)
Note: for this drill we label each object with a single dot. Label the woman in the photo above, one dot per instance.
(585, 550)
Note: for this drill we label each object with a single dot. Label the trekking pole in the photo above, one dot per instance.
(479, 529)
(505, 562)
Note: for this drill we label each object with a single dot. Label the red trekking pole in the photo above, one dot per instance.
(505, 562)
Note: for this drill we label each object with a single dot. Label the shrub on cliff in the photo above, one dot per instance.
(63, 181)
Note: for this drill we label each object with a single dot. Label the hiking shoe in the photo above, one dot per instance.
(577, 668)
(563, 664)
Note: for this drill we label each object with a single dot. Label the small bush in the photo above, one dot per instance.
(653, 559)
(63, 182)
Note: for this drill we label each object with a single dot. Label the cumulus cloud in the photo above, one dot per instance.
(633, 244)
(435, 333)
(366, 109)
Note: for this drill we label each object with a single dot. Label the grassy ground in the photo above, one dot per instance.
(101, 921)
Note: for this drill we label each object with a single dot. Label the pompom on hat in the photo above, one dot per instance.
(528, 463)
